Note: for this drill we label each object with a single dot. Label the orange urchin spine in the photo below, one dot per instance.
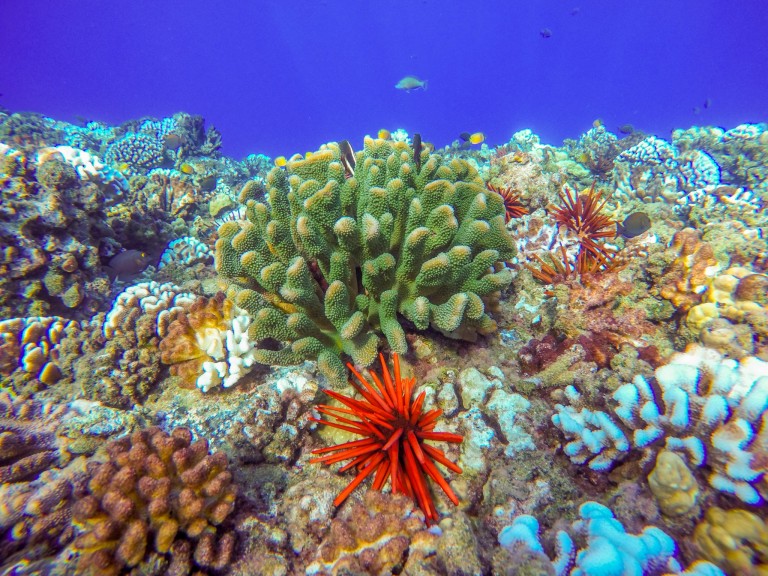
(394, 431)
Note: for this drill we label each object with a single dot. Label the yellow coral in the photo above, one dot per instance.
(701, 315)
(735, 540)
(672, 484)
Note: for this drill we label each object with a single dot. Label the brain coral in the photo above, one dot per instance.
(160, 496)
(341, 249)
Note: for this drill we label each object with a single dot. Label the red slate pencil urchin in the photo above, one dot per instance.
(394, 431)
(513, 208)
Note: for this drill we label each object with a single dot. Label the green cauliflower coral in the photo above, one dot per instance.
(330, 263)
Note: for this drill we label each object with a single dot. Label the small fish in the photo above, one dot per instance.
(575, 11)
(347, 158)
(187, 169)
(597, 123)
(465, 136)
(707, 103)
(477, 138)
(173, 141)
(384, 134)
(633, 225)
(308, 155)
(280, 161)
(208, 183)
(626, 129)
(545, 33)
(128, 263)
(411, 83)
(417, 152)
(123, 167)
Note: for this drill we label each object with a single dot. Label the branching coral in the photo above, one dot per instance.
(393, 430)
(331, 261)
(157, 493)
(709, 409)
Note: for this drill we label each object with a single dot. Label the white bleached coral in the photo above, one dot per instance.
(185, 251)
(233, 352)
(709, 409)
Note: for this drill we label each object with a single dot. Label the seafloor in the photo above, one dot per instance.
(580, 335)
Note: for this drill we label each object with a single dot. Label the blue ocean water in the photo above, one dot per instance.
(284, 77)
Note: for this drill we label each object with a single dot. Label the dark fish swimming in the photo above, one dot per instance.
(626, 129)
(417, 151)
(127, 264)
(347, 158)
(633, 225)
(545, 33)
(173, 141)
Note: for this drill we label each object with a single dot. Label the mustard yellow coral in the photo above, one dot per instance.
(735, 540)
(672, 484)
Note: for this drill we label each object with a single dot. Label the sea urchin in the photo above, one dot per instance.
(394, 431)
(513, 208)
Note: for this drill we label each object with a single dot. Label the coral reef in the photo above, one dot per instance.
(333, 258)
(710, 410)
(160, 498)
(340, 255)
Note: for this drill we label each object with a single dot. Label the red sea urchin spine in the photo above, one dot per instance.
(395, 431)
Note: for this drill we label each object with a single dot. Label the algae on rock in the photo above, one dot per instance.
(331, 261)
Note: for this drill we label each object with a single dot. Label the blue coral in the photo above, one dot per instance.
(609, 550)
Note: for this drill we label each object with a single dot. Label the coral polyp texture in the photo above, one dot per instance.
(36, 486)
(159, 499)
(394, 431)
(708, 409)
(337, 255)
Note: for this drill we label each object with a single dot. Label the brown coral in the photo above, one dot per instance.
(161, 494)
(36, 490)
(190, 337)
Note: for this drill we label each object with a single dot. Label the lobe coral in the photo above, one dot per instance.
(394, 432)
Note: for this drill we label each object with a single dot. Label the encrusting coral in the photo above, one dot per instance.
(345, 245)
(159, 498)
(382, 535)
